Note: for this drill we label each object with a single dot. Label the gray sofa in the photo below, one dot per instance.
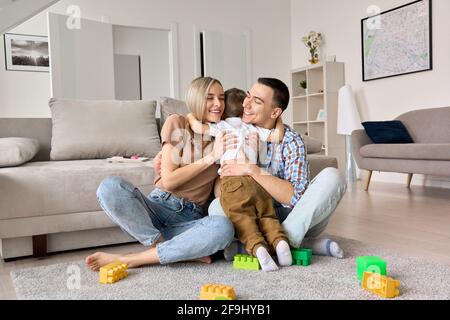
(51, 206)
(429, 154)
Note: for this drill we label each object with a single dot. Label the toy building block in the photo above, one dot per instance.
(370, 264)
(301, 257)
(113, 272)
(217, 292)
(246, 262)
(381, 285)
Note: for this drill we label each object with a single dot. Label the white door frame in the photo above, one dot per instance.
(248, 36)
(174, 66)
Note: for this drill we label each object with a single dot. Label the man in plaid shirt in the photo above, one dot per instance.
(303, 207)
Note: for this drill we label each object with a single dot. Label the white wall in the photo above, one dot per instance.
(153, 48)
(267, 20)
(24, 94)
(13, 12)
(384, 99)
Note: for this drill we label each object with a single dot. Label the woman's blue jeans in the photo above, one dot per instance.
(187, 233)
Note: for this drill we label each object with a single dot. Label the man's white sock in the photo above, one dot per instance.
(324, 247)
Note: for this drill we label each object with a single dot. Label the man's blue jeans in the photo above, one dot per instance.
(187, 233)
(311, 214)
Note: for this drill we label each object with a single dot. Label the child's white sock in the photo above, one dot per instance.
(265, 260)
(284, 253)
(324, 247)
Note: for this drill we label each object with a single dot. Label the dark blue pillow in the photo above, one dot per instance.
(387, 132)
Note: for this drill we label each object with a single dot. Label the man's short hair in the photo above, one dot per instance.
(280, 91)
(234, 98)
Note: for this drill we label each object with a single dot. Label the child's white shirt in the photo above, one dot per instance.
(241, 130)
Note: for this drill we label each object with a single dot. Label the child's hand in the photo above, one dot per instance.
(197, 126)
(191, 119)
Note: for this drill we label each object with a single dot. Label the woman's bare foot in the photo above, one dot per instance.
(206, 260)
(100, 259)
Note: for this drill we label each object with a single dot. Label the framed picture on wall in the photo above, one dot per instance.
(26, 53)
(397, 41)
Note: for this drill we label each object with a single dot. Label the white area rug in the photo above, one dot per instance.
(325, 278)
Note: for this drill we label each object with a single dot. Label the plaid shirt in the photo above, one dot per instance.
(287, 161)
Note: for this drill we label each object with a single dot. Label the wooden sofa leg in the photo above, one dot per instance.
(408, 181)
(369, 176)
(39, 246)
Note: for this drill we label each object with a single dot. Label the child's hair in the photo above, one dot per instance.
(234, 98)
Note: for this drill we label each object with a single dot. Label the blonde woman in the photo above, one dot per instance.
(172, 221)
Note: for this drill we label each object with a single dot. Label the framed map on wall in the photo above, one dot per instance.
(397, 41)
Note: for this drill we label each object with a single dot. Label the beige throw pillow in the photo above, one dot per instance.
(102, 129)
(17, 151)
(171, 106)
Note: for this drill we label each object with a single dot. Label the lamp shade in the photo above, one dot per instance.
(348, 116)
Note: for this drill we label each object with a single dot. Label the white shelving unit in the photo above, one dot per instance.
(323, 84)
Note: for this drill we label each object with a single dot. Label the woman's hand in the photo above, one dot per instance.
(224, 141)
(157, 163)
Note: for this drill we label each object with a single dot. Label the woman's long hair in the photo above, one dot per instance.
(197, 94)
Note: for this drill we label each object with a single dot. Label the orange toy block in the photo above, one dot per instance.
(381, 285)
(113, 272)
(217, 292)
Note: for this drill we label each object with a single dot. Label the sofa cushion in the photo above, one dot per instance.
(415, 151)
(17, 151)
(103, 129)
(387, 132)
(171, 106)
(319, 162)
(312, 145)
(62, 187)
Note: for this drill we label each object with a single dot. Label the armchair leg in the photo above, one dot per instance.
(408, 181)
(368, 177)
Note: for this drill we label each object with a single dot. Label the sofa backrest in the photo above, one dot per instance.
(428, 125)
(41, 129)
(38, 128)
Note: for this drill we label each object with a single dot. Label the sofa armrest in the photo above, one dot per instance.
(359, 140)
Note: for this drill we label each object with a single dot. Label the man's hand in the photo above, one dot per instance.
(157, 163)
(239, 170)
(252, 141)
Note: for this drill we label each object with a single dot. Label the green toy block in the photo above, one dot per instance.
(301, 257)
(246, 262)
(370, 264)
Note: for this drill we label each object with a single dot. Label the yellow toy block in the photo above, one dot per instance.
(381, 285)
(113, 272)
(217, 292)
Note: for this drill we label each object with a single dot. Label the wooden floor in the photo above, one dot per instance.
(412, 221)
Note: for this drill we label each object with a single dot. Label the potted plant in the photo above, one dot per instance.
(313, 42)
(303, 84)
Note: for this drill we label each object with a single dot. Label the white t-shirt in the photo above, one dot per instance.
(241, 130)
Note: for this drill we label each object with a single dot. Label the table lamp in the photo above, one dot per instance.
(348, 121)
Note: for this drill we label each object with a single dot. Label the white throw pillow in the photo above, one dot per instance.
(17, 151)
(83, 129)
